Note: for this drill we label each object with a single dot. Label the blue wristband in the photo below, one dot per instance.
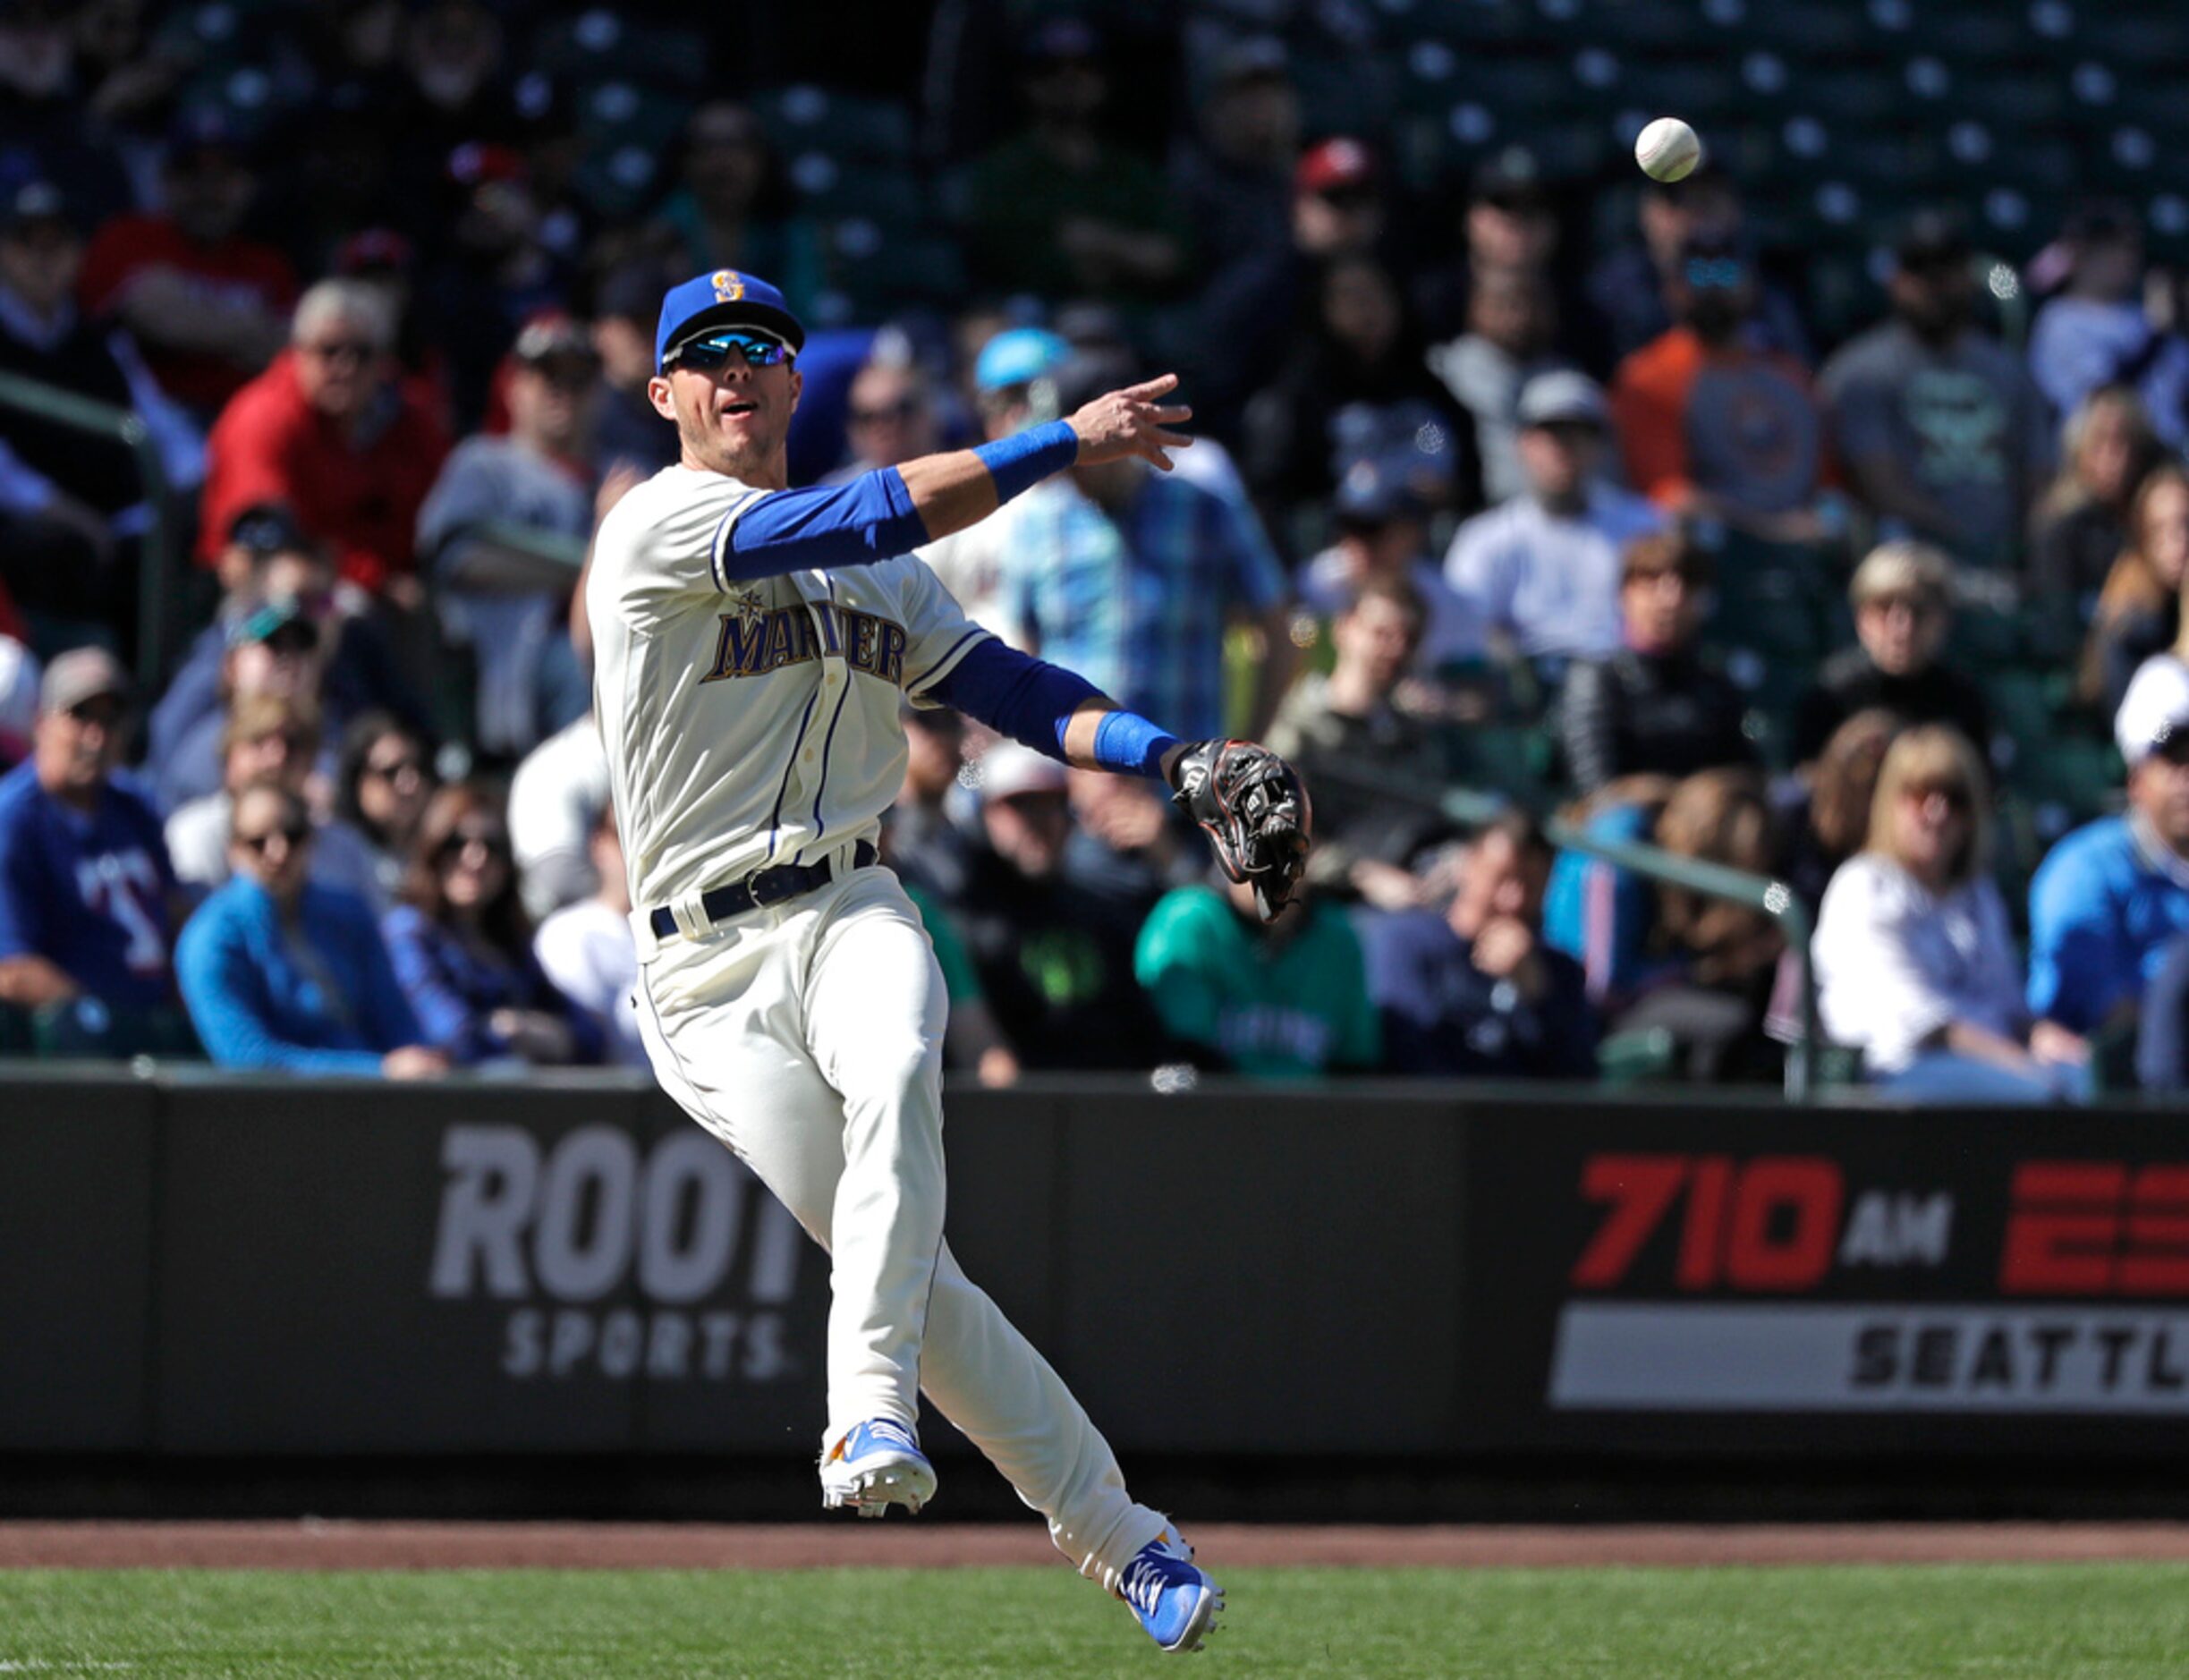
(1022, 461)
(1126, 741)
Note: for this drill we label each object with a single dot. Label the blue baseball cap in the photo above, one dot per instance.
(725, 298)
(1019, 356)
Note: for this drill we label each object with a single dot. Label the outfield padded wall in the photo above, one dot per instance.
(192, 1265)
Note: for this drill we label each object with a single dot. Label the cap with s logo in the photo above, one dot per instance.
(725, 297)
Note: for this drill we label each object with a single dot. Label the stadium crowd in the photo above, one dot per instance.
(1558, 486)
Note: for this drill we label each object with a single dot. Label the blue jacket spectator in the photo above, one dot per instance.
(1475, 992)
(462, 948)
(85, 883)
(279, 972)
(2111, 894)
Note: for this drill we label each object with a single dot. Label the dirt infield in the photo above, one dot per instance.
(314, 1544)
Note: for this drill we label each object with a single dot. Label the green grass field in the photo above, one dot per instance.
(2056, 1621)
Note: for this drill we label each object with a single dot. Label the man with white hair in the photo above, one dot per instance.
(328, 431)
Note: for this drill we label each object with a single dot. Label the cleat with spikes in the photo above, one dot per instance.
(1175, 1602)
(874, 1466)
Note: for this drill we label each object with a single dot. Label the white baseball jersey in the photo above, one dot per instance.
(749, 723)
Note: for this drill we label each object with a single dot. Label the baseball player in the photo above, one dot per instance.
(751, 646)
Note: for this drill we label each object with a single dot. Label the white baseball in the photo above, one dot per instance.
(1668, 149)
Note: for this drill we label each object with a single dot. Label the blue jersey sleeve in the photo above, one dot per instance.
(864, 519)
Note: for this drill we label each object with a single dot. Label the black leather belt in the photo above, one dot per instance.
(760, 889)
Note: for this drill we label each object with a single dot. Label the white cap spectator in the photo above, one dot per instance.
(2155, 708)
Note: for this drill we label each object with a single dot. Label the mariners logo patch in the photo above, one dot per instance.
(729, 286)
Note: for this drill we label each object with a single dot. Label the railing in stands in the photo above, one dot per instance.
(103, 419)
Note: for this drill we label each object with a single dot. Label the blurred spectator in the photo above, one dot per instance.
(1015, 386)
(273, 651)
(85, 884)
(19, 673)
(1711, 426)
(1824, 811)
(492, 531)
(2082, 524)
(2095, 332)
(1602, 916)
(276, 742)
(1542, 571)
(1653, 705)
(731, 211)
(1916, 962)
(928, 846)
(1059, 210)
(1717, 960)
(1338, 207)
(267, 560)
(496, 266)
(2139, 610)
(382, 784)
(1347, 721)
(2162, 1031)
(555, 804)
(1508, 226)
(382, 258)
(451, 56)
(281, 970)
(1474, 993)
(207, 303)
(75, 496)
(626, 430)
(1902, 598)
(47, 126)
(1380, 531)
(1941, 431)
(1127, 843)
(1055, 959)
(2108, 897)
(1283, 1000)
(1132, 577)
(889, 418)
(462, 947)
(1511, 320)
(1361, 349)
(1234, 182)
(587, 951)
(1637, 290)
(326, 432)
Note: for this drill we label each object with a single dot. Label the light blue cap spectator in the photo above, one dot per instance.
(1019, 356)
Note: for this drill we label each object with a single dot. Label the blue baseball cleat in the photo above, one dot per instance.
(1175, 1602)
(876, 1464)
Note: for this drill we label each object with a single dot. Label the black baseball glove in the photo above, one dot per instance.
(1255, 808)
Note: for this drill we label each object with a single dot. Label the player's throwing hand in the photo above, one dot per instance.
(1131, 422)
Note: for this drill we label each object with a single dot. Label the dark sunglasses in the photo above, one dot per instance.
(1721, 274)
(2173, 747)
(107, 714)
(395, 771)
(295, 833)
(453, 845)
(704, 355)
(344, 350)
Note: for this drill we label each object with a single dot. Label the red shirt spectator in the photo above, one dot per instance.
(326, 430)
(206, 304)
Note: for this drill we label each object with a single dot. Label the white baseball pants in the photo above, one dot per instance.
(808, 1036)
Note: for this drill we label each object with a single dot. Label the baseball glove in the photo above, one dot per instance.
(1255, 808)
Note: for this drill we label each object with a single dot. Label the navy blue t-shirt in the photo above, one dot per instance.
(88, 892)
(1443, 1016)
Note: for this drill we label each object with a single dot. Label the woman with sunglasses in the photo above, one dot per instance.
(383, 782)
(278, 971)
(462, 946)
(1914, 959)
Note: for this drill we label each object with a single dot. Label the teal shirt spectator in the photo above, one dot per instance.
(257, 989)
(2102, 908)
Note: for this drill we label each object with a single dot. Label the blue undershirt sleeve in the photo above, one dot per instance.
(1033, 702)
(864, 519)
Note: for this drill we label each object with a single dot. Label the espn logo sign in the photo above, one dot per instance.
(2097, 1228)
